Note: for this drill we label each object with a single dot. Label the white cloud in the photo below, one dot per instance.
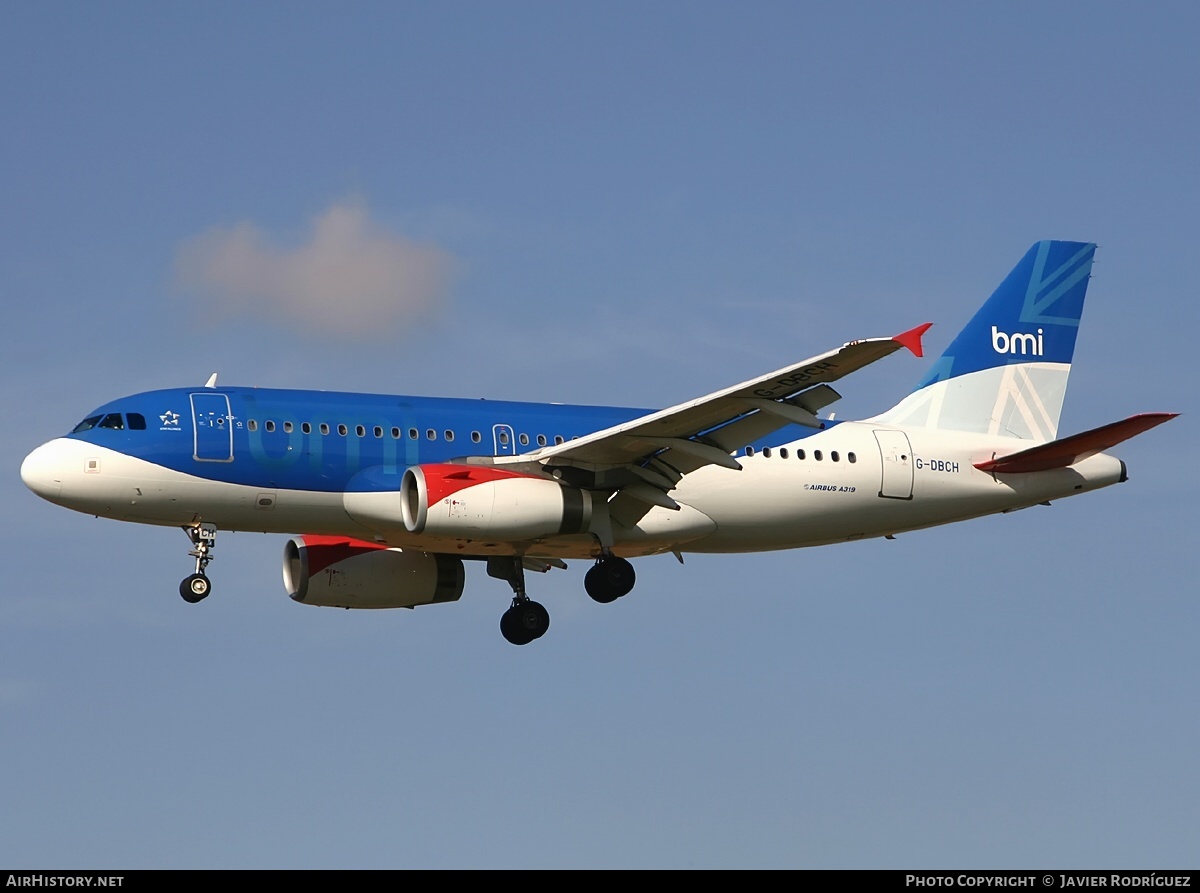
(352, 278)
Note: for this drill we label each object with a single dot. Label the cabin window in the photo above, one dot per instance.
(360, 430)
(476, 437)
(252, 425)
(268, 426)
(430, 434)
(395, 434)
(137, 421)
(114, 421)
(306, 428)
(541, 440)
(799, 454)
(287, 426)
(558, 438)
(783, 452)
(851, 458)
(749, 451)
(449, 435)
(834, 456)
(524, 438)
(504, 437)
(342, 430)
(817, 455)
(767, 452)
(413, 434)
(324, 427)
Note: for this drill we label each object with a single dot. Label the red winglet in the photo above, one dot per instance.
(912, 338)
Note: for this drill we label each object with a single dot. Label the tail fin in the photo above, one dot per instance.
(1006, 372)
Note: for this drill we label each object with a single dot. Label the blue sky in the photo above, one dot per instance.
(613, 203)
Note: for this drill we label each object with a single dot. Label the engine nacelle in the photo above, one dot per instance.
(484, 502)
(338, 572)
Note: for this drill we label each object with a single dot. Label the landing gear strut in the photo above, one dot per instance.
(609, 578)
(526, 620)
(197, 586)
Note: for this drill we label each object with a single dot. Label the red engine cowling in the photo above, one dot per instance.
(338, 572)
(483, 502)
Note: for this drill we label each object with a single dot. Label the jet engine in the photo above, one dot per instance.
(338, 572)
(484, 502)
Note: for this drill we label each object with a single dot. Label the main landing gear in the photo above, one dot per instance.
(526, 620)
(609, 578)
(197, 586)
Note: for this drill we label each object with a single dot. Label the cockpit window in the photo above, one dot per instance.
(114, 421)
(137, 421)
(86, 425)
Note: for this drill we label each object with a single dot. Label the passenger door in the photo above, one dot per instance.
(213, 427)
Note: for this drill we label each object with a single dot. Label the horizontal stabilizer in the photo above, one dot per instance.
(1069, 450)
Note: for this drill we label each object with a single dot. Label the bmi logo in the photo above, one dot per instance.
(1017, 343)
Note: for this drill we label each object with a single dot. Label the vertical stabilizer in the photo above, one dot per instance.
(1006, 372)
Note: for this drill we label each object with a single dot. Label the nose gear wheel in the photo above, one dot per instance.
(196, 587)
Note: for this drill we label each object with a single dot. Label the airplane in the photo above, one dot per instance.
(390, 495)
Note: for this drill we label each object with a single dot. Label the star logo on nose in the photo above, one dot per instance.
(170, 418)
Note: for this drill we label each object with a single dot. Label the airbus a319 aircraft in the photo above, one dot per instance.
(391, 495)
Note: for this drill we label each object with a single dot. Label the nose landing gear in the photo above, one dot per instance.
(196, 587)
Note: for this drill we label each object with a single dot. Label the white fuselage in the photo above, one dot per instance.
(884, 480)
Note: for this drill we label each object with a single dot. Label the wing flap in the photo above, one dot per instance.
(1069, 450)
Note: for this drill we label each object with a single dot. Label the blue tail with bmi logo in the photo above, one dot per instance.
(1006, 372)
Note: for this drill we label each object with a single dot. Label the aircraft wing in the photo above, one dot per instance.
(647, 456)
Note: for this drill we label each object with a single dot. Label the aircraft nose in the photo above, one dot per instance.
(42, 471)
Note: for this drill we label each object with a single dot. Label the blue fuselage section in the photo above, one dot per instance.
(323, 440)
